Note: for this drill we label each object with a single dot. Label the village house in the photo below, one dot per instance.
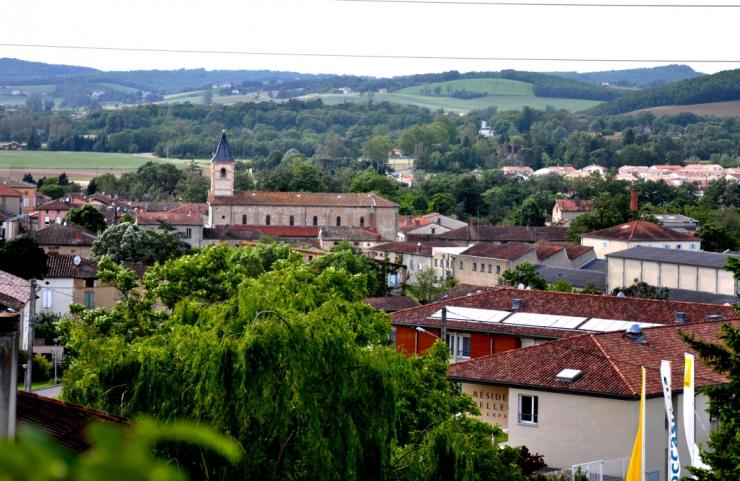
(575, 400)
(483, 264)
(427, 225)
(9, 225)
(443, 260)
(415, 256)
(54, 211)
(503, 318)
(189, 225)
(471, 234)
(517, 171)
(692, 271)
(306, 209)
(638, 233)
(362, 239)
(566, 210)
(64, 239)
(677, 222)
(10, 200)
(238, 234)
(72, 279)
(27, 190)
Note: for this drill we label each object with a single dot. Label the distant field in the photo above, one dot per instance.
(491, 86)
(118, 87)
(76, 160)
(196, 97)
(717, 109)
(502, 102)
(45, 88)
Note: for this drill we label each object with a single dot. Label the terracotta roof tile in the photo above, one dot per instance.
(63, 235)
(510, 251)
(490, 233)
(640, 230)
(6, 191)
(574, 205)
(350, 234)
(391, 303)
(173, 218)
(16, 184)
(609, 362)
(320, 199)
(62, 266)
(254, 232)
(420, 248)
(14, 291)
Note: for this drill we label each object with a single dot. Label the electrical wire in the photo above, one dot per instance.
(368, 55)
(547, 4)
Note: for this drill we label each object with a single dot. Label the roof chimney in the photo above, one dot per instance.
(634, 333)
(633, 199)
(517, 304)
(681, 318)
(714, 317)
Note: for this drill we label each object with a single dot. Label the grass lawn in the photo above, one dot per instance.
(35, 385)
(76, 160)
(491, 86)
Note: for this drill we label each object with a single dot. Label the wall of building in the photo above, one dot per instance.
(385, 218)
(193, 237)
(47, 217)
(82, 251)
(602, 247)
(11, 205)
(465, 274)
(28, 202)
(410, 341)
(623, 272)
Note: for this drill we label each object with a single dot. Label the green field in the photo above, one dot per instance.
(491, 86)
(118, 87)
(75, 160)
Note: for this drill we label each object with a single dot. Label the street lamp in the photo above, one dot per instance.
(421, 329)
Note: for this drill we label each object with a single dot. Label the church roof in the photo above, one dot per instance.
(222, 153)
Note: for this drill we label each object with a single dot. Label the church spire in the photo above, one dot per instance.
(222, 153)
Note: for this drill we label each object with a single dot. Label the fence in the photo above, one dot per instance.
(602, 469)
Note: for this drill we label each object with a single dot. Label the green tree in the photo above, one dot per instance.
(23, 257)
(526, 274)
(561, 286)
(370, 181)
(530, 213)
(376, 150)
(642, 289)
(716, 238)
(194, 188)
(722, 452)
(427, 288)
(127, 242)
(33, 142)
(88, 217)
(343, 257)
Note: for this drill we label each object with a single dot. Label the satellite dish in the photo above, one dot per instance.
(520, 286)
(77, 260)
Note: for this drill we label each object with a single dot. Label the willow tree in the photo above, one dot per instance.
(288, 361)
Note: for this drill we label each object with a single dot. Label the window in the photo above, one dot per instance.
(188, 232)
(475, 266)
(267, 219)
(527, 409)
(90, 300)
(244, 219)
(459, 345)
(89, 283)
(692, 246)
(339, 221)
(434, 231)
(59, 220)
(678, 246)
(223, 172)
(498, 269)
(25, 202)
(461, 265)
(605, 244)
(315, 220)
(46, 220)
(490, 268)
(435, 262)
(362, 221)
(46, 299)
(666, 246)
(291, 221)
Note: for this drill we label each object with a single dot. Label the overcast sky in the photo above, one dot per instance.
(331, 27)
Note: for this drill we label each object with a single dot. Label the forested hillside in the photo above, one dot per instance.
(718, 87)
(636, 77)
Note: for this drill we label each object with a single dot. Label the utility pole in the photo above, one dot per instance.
(29, 349)
(443, 331)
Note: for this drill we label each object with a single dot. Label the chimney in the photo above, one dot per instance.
(517, 304)
(633, 199)
(77, 235)
(9, 324)
(681, 318)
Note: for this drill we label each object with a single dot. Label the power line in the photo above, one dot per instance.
(545, 4)
(367, 56)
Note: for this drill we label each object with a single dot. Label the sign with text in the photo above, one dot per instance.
(493, 402)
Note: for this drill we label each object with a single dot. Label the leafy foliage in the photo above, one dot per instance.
(127, 242)
(524, 273)
(23, 257)
(88, 217)
(642, 289)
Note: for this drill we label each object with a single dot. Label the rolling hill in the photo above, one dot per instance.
(636, 77)
(719, 87)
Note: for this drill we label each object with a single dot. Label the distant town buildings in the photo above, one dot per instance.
(638, 233)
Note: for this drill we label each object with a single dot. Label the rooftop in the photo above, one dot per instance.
(222, 152)
(254, 232)
(640, 230)
(16, 184)
(610, 363)
(63, 266)
(490, 233)
(714, 260)
(391, 303)
(63, 235)
(510, 251)
(575, 277)
(6, 191)
(14, 291)
(172, 218)
(574, 205)
(418, 248)
(308, 199)
(349, 233)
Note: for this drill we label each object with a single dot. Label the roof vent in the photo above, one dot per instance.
(681, 318)
(520, 286)
(714, 317)
(517, 304)
(634, 333)
(621, 294)
(568, 375)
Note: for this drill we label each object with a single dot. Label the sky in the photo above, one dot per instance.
(365, 28)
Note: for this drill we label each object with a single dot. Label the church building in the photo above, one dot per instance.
(301, 209)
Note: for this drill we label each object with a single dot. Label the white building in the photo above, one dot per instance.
(638, 233)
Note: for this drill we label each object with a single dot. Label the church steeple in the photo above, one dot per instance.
(222, 170)
(222, 153)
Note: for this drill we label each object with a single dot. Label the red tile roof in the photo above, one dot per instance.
(65, 422)
(350, 234)
(14, 291)
(172, 218)
(419, 248)
(640, 230)
(6, 191)
(574, 205)
(253, 232)
(548, 250)
(492, 233)
(609, 362)
(391, 303)
(63, 235)
(321, 199)
(510, 251)
(566, 304)
(62, 266)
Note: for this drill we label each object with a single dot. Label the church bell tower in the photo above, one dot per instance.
(222, 170)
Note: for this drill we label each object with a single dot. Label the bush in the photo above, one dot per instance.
(41, 367)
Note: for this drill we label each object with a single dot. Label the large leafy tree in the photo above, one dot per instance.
(291, 363)
(23, 257)
(526, 274)
(88, 217)
(127, 242)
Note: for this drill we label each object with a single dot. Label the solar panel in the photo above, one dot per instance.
(544, 320)
(610, 325)
(472, 314)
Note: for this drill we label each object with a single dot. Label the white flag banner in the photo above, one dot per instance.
(688, 411)
(674, 465)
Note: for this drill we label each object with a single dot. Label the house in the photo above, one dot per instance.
(566, 210)
(391, 303)
(305, 209)
(14, 294)
(499, 234)
(12, 145)
(517, 171)
(72, 279)
(678, 222)
(415, 256)
(28, 192)
(499, 319)
(10, 200)
(638, 233)
(443, 261)
(429, 225)
(189, 225)
(483, 263)
(9, 225)
(65, 239)
(575, 400)
(359, 237)
(696, 271)
(54, 211)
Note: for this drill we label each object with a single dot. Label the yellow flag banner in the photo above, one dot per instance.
(636, 469)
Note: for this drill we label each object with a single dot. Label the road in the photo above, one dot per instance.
(53, 391)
